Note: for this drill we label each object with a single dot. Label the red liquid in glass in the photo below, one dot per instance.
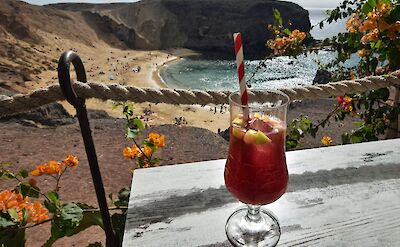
(257, 173)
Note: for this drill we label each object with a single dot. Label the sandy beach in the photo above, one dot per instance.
(137, 68)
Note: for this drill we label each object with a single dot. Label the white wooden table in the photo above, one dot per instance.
(337, 196)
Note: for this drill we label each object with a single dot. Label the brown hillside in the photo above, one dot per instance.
(31, 37)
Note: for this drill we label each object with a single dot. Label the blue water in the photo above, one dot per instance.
(202, 74)
(197, 73)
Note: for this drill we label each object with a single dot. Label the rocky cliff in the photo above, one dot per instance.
(204, 25)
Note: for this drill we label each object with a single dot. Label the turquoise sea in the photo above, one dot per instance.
(202, 74)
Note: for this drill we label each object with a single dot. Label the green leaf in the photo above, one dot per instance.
(71, 213)
(54, 204)
(132, 133)
(394, 15)
(8, 175)
(345, 138)
(124, 194)
(6, 164)
(140, 162)
(89, 219)
(357, 123)
(118, 223)
(54, 198)
(373, 63)
(138, 123)
(277, 17)
(23, 173)
(150, 145)
(372, 3)
(65, 223)
(6, 223)
(25, 216)
(357, 137)
(50, 206)
(12, 238)
(123, 197)
(27, 190)
(73, 220)
(287, 31)
(14, 214)
(154, 161)
(368, 6)
(382, 93)
(378, 44)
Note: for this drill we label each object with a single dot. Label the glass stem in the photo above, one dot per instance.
(253, 213)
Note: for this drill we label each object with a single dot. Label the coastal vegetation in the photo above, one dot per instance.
(373, 35)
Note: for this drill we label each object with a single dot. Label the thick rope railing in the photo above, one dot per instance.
(10, 105)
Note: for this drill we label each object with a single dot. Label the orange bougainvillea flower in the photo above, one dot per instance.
(131, 153)
(371, 36)
(347, 99)
(382, 24)
(9, 200)
(361, 53)
(367, 25)
(53, 167)
(127, 153)
(36, 173)
(160, 142)
(157, 140)
(37, 213)
(353, 23)
(281, 45)
(326, 140)
(71, 161)
(298, 35)
(147, 150)
(42, 168)
(135, 150)
(348, 108)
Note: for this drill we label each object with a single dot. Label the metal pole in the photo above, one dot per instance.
(66, 59)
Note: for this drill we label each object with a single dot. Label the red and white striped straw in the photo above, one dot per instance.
(237, 38)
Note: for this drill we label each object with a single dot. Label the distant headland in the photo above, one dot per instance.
(205, 26)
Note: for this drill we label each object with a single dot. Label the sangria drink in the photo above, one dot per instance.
(255, 171)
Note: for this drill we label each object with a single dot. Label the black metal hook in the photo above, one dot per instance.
(64, 79)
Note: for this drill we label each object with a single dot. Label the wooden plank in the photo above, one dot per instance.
(336, 196)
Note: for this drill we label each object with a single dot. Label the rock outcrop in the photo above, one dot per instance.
(206, 26)
(322, 77)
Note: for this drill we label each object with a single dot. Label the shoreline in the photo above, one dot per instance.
(141, 68)
(176, 57)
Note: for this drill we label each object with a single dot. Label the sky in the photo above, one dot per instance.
(304, 3)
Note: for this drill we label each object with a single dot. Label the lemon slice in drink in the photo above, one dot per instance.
(256, 137)
(238, 120)
(238, 132)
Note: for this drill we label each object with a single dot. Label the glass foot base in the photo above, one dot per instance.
(244, 230)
